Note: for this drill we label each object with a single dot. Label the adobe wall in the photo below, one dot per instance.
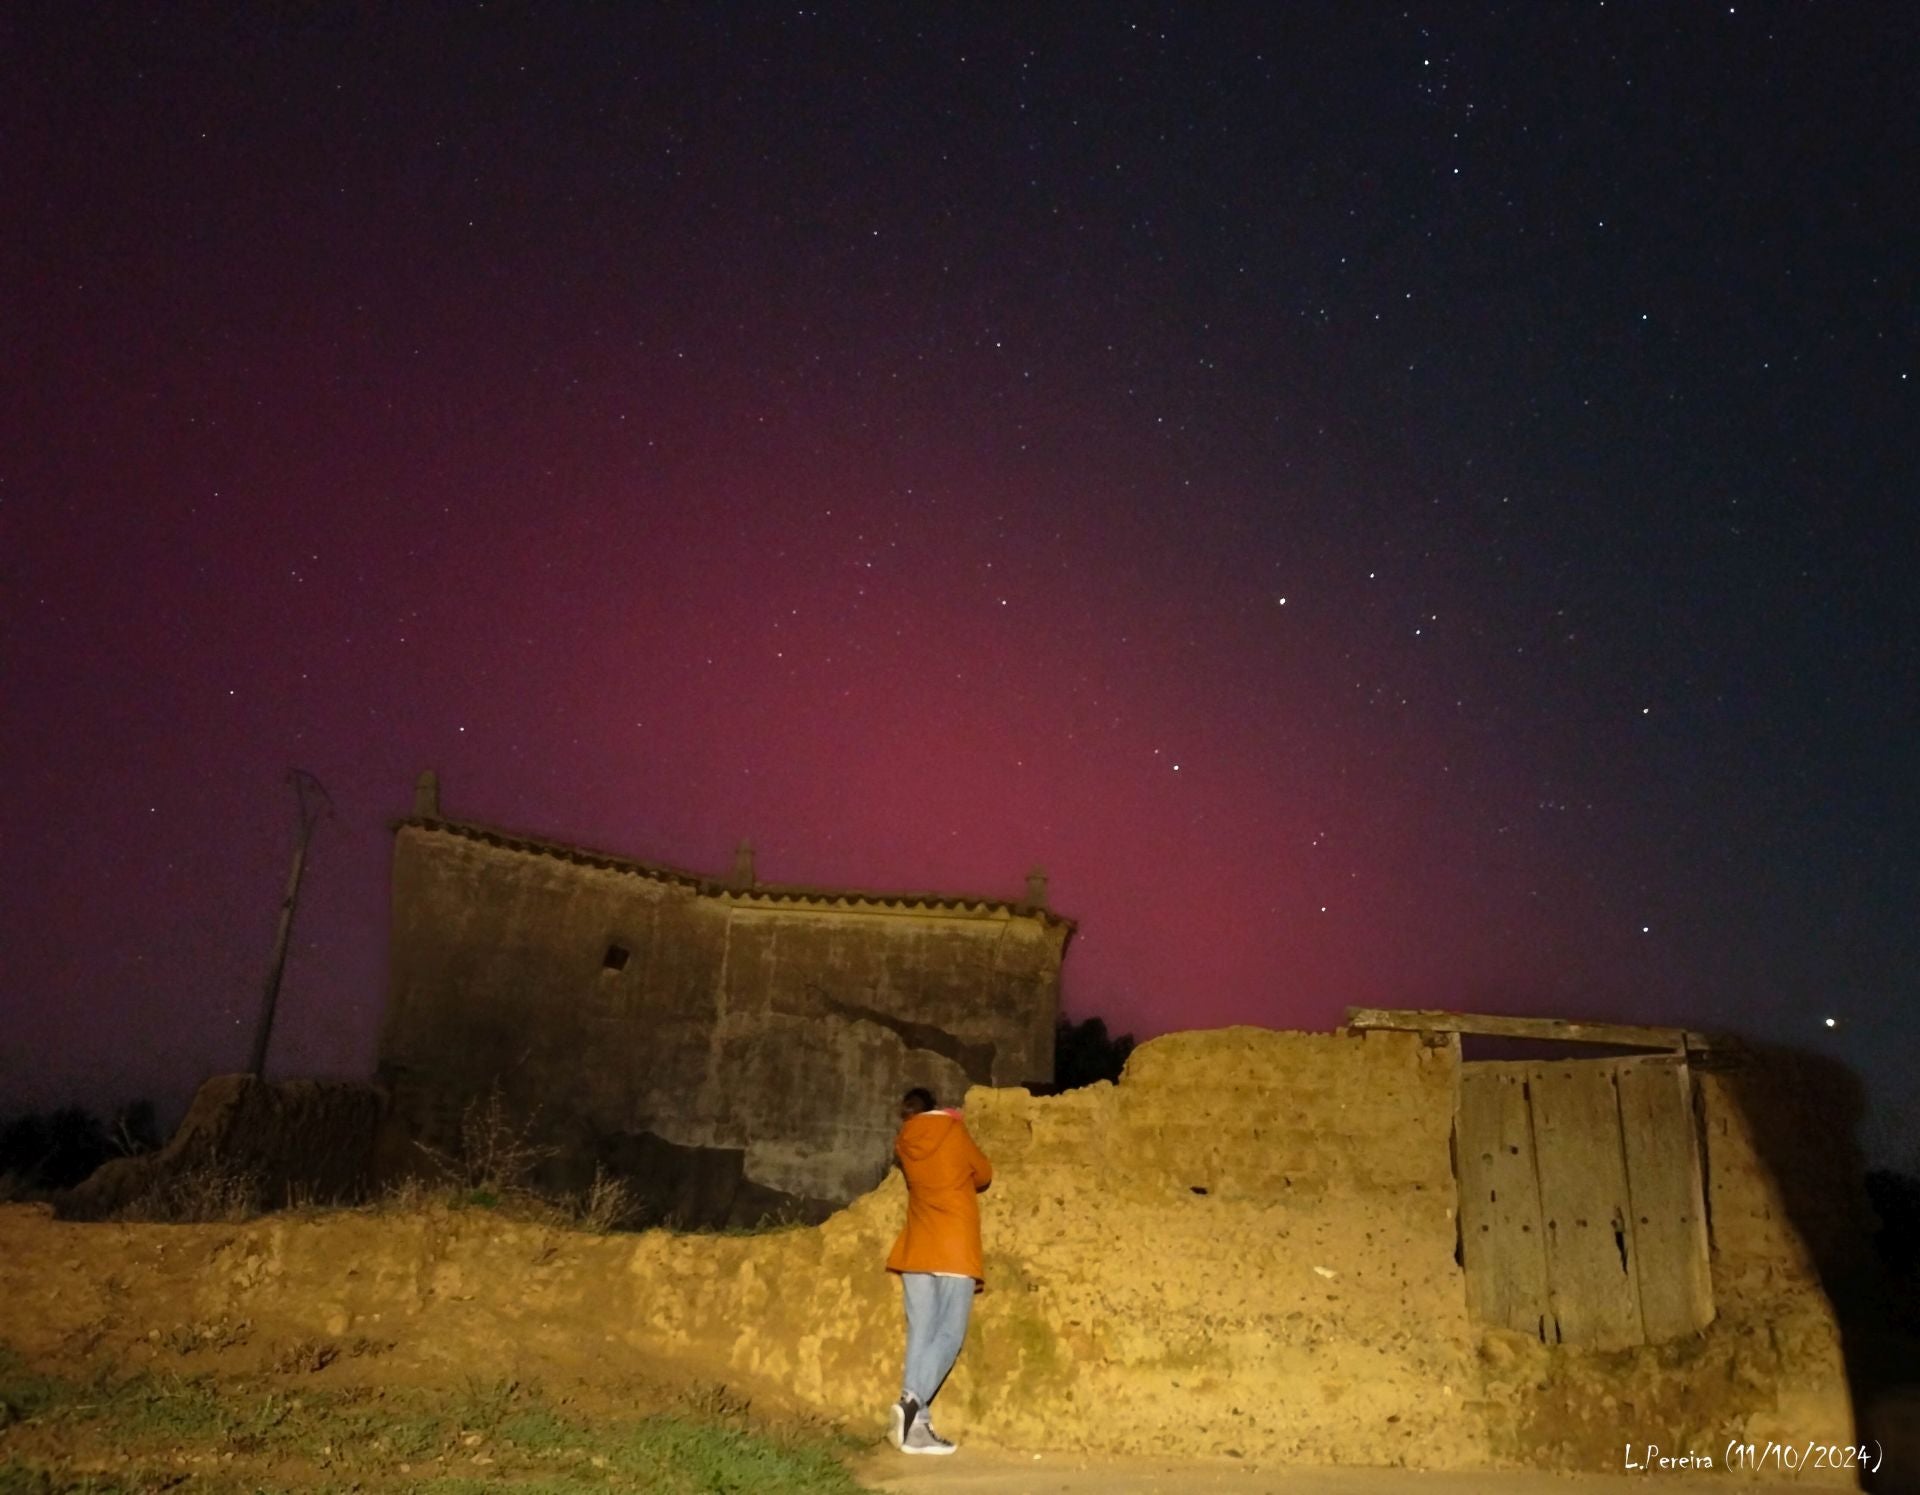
(282, 1141)
(1307, 1306)
(747, 1056)
(1247, 1246)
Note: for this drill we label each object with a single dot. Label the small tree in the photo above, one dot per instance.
(496, 1158)
(134, 1130)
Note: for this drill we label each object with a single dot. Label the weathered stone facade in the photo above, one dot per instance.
(732, 1048)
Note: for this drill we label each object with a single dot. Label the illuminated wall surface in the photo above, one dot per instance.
(734, 1049)
(1252, 1243)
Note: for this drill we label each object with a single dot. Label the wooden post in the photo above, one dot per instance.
(310, 811)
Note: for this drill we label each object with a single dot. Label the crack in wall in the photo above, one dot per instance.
(976, 1059)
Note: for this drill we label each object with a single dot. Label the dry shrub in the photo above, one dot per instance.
(496, 1156)
(493, 1166)
(211, 1191)
(608, 1205)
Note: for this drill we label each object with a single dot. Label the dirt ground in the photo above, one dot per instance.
(994, 1472)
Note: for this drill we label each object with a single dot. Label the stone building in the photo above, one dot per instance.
(735, 1049)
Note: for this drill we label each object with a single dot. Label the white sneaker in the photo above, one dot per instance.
(921, 1438)
(900, 1417)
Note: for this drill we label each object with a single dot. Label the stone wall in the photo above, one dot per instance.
(734, 1050)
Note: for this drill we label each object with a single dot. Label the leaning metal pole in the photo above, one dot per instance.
(313, 803)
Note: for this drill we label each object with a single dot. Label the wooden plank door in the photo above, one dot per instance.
(1581, 1211)
(1501, 1245)
(1592, 1287)
(1667, 1212)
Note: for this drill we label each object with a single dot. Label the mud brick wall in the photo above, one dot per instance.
(1247, 1246)
(1249, 1241)
(282, 1141)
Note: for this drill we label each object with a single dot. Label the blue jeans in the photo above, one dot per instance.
(937, 1311)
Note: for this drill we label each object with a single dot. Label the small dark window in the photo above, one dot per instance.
(615, 958)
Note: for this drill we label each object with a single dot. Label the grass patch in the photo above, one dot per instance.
(18, 1477)
(24, 1392)
(540, 1429)
(241, 1436)
(40, 1477)
(170, 1409)
(409, 1435)
(671, 1454)
(486, 1404)
(461, 1485)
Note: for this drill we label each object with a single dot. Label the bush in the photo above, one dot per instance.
(608, 1205)
(495, 1159)
(209, 1192)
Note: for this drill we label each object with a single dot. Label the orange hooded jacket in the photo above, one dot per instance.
(944, 1172)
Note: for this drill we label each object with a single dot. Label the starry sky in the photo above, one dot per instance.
(1388, 505)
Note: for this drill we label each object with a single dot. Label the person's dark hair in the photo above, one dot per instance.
(918, 1100)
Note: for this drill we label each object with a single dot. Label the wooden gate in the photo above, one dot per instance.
(1581, 1215)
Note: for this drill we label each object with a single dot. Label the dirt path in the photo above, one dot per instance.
(996, 1472)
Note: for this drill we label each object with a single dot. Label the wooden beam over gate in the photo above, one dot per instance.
(1552, 1029)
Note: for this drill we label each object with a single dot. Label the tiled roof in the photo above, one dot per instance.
(717, 887)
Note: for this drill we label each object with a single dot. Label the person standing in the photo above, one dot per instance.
(937, 1258)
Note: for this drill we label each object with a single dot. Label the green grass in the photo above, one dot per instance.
(539, 1429)
(314, 1440)
(408, 1435)
(671, 1454)
(171, 1409)
(18, 1477)
(484, 1404)
(456, 1485)
(26, 1393)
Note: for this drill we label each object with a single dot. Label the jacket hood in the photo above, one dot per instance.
(921, 1136)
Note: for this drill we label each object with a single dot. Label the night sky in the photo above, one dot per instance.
(1388, 506)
